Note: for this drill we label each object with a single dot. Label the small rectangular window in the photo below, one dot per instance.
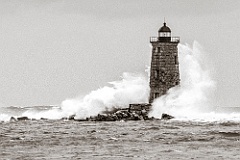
(175, 59)
(158, 49)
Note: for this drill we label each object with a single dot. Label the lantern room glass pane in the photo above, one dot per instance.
(164, 34)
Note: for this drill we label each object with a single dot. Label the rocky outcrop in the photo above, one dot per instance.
(166, 116)
(116, 116)
(12, 119)
(134, 112)
(22, 118)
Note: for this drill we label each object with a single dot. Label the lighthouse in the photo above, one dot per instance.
(164, 73)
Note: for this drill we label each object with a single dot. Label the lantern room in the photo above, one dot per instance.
(164, 33)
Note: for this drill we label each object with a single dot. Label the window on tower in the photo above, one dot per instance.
(175, 59)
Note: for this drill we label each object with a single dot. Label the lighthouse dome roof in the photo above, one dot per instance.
(164, 28)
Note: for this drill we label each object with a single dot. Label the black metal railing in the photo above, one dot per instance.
(172, 39)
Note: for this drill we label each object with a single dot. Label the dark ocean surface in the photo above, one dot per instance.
(158, 139)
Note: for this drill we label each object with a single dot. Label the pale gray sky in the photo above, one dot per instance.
(51, 50)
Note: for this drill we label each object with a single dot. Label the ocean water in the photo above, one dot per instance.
(157, 139)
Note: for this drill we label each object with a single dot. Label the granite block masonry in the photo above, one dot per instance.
(164, 73)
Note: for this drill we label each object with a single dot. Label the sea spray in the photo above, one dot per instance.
(51, 113)
(133, 88)
(190, 98)
(4, 117)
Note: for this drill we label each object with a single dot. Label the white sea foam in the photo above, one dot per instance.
(191, 100)
(4, 117)
(131, 89)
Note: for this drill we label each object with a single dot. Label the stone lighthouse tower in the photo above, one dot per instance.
(164, 72)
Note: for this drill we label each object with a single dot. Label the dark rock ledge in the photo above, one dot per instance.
(134, 112)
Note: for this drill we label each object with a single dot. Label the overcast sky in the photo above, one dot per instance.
(51, 50)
